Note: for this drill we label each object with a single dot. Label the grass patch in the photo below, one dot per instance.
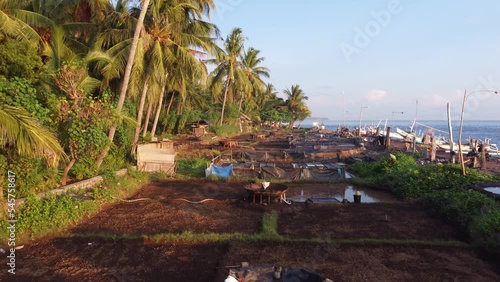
(270, 225)
(198, 238)
(37, 217)
(192, 167)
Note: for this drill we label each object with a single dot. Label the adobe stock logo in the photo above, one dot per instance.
(478, 95)
(364, 36)
(224, 6)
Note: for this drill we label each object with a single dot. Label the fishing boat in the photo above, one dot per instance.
(446, 147)
(493, 151)
(392, 135)
(407, 134)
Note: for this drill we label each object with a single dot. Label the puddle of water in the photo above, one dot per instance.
(348, 194)
(494, 190)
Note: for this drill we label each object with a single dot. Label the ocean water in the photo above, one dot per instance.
(471, 128)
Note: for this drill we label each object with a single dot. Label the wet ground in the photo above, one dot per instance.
(91, 251)
(381, 239)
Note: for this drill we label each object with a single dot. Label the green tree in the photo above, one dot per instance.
(228, 66)
(19, 59)
(169, 39)
(126, 79)
(295, 104)
(254, 71)
(83, 119)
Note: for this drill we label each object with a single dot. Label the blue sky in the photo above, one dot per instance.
(384, 54)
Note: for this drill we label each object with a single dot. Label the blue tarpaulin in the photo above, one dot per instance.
(222, 171)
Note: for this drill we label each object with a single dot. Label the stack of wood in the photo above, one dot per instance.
(228, 143)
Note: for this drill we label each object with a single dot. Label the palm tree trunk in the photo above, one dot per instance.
(157, 116)
(64, 178)
(140, 112)
(146, 120)
(183, 103)
(225, 98)
(240, 106)
(170, 103)
(126, 79)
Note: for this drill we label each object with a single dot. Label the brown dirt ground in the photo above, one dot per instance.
(375, 220)
(367, 263)
(83, 258)
(91, 259)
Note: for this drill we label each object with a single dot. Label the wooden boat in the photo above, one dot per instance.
(407, 134)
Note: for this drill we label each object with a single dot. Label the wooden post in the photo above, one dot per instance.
(482, 156)
(426, 146)
(452, 153)
(377, 135)
(388, 138)
(433, 149)
(462, 163)
(414, 144)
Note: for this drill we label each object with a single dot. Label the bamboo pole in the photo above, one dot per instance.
(433, 149)
(482, 160)
(462, 163)
(452, 149)
(388, 138)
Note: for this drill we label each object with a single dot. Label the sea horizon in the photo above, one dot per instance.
(475, 129)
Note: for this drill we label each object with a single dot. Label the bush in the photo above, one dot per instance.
(51, 212)
(458, 207)
(485, 229)
(409, 180)
(225, 130)
(32, 174)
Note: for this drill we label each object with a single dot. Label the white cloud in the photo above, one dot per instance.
(376, 96)
(438, 100)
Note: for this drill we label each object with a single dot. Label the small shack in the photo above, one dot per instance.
(156, 157)
(199, 128)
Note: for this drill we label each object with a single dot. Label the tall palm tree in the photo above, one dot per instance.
(295, 103)
(251, 67)
(126, 79)
(228, 65)
(169, 38)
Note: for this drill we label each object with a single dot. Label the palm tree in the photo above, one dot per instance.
(295, 103)
(126, 79)
(27, 136)
(168, 40)
(254, 73)
(228, 65)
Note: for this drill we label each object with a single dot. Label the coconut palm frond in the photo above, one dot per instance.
(34, 19)
(26, 134)
(89, 84)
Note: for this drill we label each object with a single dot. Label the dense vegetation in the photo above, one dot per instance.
(444, 189)
(81, 82)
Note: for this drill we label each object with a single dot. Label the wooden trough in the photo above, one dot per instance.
(273, 191)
